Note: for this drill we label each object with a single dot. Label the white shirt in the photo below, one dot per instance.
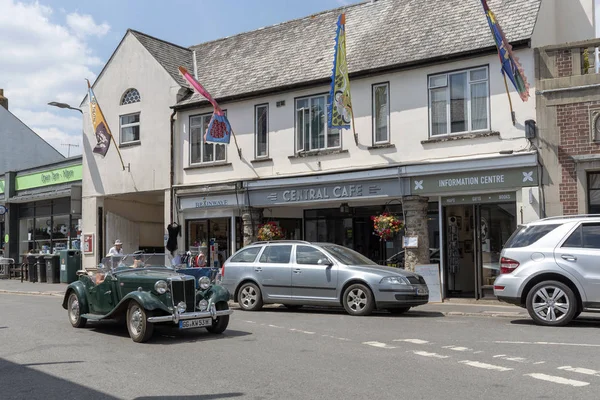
(114, 252)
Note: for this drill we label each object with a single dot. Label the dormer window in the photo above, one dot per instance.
(130, 96)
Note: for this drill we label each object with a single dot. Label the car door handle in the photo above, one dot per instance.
(258, 269)
(297, 271)
(568, 257)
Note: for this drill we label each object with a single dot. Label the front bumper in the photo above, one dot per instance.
(176, 317)
(390, 296)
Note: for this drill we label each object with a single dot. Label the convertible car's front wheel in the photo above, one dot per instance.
(220, 324)
(74, 310)
(140, 330)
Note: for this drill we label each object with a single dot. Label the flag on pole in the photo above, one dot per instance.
(510, 63)
(219, 129)
(99, 124)
(340, 106)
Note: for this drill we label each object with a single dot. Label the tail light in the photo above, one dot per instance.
(508, 265)
(222, 270)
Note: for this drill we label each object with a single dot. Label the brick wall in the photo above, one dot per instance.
(564, 63)
(573, 122)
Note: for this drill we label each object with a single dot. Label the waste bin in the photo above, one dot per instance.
(41, 268)
(53, 268)
(70, 263)
(32, 268)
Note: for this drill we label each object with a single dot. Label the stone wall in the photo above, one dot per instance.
(415, 224)
(251, 219)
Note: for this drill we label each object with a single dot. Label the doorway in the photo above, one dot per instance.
(475, 235)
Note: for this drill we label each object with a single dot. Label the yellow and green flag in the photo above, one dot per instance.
(340, 103)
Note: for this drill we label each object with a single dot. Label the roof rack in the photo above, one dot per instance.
(572, 217)
(280, 241)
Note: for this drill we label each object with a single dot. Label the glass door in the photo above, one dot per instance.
(494, 225)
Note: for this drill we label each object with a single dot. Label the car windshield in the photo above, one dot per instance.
(347, 256)
(136, 261)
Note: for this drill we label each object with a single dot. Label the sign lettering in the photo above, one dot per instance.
(46, 178)
(337, 192)
(468, 181)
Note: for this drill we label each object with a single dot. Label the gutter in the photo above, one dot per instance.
(566, 89)
(172, 177)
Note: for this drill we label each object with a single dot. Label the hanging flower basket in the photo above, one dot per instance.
(386, 225)
(270, 231)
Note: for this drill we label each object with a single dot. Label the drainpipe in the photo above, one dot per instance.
(172, 194)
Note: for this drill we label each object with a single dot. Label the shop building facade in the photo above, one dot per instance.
(43, 209)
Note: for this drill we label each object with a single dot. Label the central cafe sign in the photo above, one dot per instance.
(324, 193)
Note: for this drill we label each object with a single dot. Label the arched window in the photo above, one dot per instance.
(130, 96)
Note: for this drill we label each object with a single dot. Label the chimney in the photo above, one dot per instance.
(3, 100)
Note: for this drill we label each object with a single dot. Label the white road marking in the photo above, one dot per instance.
(478, 352)
(558, 379)
(415, 341)
(549, 343)
(250, 322)
(505, 357)
(539, 362)
(584, 371)
(426, 354)
(301, 331)
(379, 344)
(337, 338)
(457, 348)
(275, 326)
(478, 364)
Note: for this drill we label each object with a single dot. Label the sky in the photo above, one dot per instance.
(48, 47)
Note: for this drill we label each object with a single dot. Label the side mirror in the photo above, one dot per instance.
(325, 261)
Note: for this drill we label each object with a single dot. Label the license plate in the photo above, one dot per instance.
(195, 323)
(422, 291)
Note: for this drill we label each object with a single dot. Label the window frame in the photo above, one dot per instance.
(273, 245)
(373, 110)
(448, 101)
(138, 124)
(325, 256)
(589, 191)
(202, 162)
(327, 130)
(256, 108)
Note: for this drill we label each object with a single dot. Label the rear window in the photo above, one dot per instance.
(246, 255)
(527, 235)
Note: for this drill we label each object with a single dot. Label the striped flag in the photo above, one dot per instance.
(340, 106)
(101, 130)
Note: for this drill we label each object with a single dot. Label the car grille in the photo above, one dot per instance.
(184, 290)
(416, 280)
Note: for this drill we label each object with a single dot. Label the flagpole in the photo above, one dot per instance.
(118, 152)
(512, 113)
(236, 144)
(354, 128)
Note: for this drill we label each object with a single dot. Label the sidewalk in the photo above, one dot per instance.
(453, 307)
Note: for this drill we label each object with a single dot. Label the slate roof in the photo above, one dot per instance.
(380, 34)
(169, 55)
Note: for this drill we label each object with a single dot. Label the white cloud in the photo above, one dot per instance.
(84, 25)
(59, 139)
(45, 61)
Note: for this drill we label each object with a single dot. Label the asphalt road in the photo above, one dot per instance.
(308, 354)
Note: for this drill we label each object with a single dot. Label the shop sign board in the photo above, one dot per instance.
(505, 197)
(88, 243)
(51, 177)
(326, 192)
(431, 274)
(474, 181)
(216, 201)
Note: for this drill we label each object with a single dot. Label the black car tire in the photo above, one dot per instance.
(354, 296)
(250, 297)
(399, 310)
(220, 324)
(552, 285)
(74, 310)
(136, 314)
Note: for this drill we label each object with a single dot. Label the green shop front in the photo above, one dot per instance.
(43, 209)
(479, 211)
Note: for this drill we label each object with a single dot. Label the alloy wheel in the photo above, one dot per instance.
(249, 297)
(551, 303)
(357, 300)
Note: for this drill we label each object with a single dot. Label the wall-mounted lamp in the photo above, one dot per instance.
(530, 129)
(345, 208)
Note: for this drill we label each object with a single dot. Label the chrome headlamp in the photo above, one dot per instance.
(161, 287)
(204, 282)
(181, 307)
(394, 280)
(203, 305)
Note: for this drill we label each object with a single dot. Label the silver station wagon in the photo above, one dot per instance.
(297, 273)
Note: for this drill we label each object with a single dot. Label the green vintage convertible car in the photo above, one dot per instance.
(144, 290)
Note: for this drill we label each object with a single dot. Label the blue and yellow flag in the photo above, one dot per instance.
(510, 64)
(340, 106)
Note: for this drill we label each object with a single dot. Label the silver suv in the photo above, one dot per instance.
(296, 273)
(552, 267)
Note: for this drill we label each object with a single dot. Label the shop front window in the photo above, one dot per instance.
(202, 232)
